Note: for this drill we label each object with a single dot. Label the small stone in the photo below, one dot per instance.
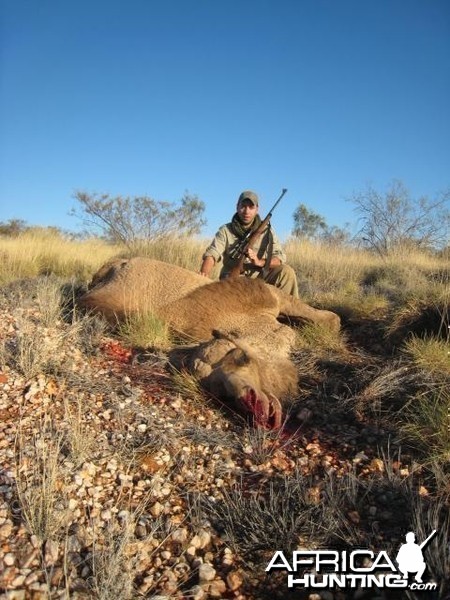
(73, 503)
(217, 588)
(179, 535)
(377, 465)
(234, 580)
(156, 509)
(31, 578)
(6, 530)
(360, 457)
(30, 558)
(9, 559)
(51, 552)
(197, 593)
(206, 573)
(16, 595)
(204, 537)
(18, 581)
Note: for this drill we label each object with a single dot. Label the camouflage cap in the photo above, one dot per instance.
(249, 195)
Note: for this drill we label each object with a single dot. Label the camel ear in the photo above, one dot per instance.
(240, 357)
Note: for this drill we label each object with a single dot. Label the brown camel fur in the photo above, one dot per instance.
(248, 360)
(229, 368)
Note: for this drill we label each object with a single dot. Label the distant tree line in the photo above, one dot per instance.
(15, 227)
(385, 220)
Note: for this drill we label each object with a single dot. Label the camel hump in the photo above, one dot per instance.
(138, 284)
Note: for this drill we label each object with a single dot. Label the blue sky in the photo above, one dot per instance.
(156, 97)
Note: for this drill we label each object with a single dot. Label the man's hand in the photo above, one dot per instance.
(253, 258)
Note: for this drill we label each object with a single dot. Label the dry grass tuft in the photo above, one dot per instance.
(321, 340)
(425, 422)
(112, 570)
(30, 353)
(188, 387)
(387, 390)
(423, 317)
(39, 478)
(79, 440)
(145, 330)
(285, 513)
(183, 251)
(430, 354)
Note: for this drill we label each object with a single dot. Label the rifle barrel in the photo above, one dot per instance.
(283, 191)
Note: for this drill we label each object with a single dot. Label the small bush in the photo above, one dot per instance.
(430, 354)
(145, 330)
(425, 422)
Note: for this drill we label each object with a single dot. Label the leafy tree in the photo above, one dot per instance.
(140, 218)
(307, 223)
(394, 218)
(337, 236)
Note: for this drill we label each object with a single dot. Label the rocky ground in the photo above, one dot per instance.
(121, 480)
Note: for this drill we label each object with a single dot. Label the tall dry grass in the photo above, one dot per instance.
(43, 252)
(321, 268)
(356, 281)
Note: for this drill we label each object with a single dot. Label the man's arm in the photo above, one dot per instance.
(214, 252)
(207, 266)
(261, 262)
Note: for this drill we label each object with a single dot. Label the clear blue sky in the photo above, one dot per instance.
(157, 97)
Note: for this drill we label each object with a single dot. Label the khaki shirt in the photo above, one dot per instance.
(225, 240)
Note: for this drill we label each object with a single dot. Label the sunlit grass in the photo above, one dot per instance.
(40, 252)
(430, 353)
(425, 422)
(145, 330)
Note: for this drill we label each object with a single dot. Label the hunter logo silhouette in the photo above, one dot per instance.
(410, 557)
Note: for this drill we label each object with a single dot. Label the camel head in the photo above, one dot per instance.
(229, 369)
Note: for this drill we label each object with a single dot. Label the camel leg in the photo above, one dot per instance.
(295, 309)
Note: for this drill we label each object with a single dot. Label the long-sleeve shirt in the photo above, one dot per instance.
(225, 240)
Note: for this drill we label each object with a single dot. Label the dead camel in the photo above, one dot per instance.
(244, 349)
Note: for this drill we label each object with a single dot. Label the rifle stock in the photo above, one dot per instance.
(248, 242)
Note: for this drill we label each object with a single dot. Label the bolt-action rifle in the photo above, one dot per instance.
(240, 251)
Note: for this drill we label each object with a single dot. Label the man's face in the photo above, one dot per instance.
(247, 211)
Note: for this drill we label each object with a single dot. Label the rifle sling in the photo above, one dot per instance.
(267, 247)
